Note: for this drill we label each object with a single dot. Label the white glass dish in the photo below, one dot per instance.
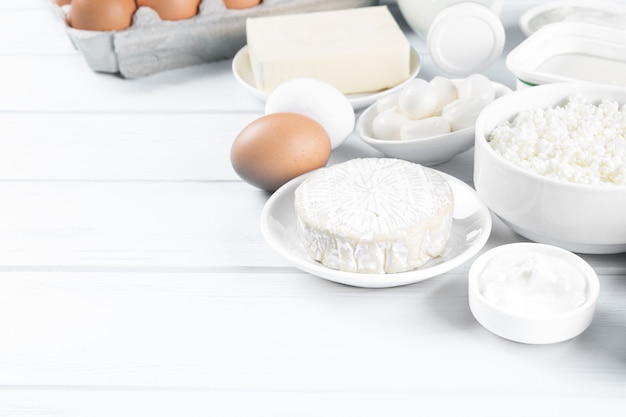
(429, 151)
(471, 228)
(243, 74)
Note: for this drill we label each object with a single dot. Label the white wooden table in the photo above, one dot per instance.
(134, 280)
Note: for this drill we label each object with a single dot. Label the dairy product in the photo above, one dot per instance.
(532, 293)
(374, 215)
(152, 45)
(578, 141)
(423, 109)
(356, 50)
(533, 284)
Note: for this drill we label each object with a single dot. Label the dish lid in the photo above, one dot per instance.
(570, 52)
(242, 71)
(465, 38)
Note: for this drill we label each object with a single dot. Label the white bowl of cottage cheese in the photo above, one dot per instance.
(550, 161)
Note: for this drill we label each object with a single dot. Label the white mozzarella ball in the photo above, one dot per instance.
(477, 86)
(462, 113)
(446, 91)
(318, 100)
(387, 125)
(418, 99)
(424, 128)
(387, 102)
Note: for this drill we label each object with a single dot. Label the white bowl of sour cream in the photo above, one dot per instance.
(533, 293)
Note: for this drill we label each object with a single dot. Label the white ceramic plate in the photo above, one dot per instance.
(243, 73)
(431, 150)
(471, 227)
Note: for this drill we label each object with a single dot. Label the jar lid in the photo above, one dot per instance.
(465, 38)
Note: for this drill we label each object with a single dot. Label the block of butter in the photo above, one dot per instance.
(357, 50)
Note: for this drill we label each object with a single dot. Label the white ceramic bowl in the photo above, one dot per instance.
(537, 324)
(578, 217)
(431, 150)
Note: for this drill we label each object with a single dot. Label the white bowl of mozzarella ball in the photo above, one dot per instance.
(428, 122)
(550, 161)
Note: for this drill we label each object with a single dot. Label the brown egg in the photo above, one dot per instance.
(241, 4)
(62, 2)
(278, 147)
(172, 9)
(102, 15)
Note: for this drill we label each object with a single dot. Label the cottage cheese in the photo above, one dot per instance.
(533, 284)
(578, 141)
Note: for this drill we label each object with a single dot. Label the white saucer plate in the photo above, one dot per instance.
(243, 74)
(471, 228)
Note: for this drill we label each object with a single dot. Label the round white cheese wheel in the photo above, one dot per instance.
(374, 215)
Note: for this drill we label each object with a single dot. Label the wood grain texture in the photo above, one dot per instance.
(134, 279)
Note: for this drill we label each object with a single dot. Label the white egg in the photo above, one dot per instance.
(477, 86)
(387, 102)
(318, 100)
(431, 126)
(462, 113)
(418, 99)
(446, 91)
(387, 125)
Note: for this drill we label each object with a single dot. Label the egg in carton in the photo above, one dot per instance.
(151, 45)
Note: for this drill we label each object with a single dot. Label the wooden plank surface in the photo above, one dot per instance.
(134, 279)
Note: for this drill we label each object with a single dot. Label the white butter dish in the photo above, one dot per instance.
(533, 293)
(570, 51)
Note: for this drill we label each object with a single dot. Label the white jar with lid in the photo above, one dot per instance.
(463, 37)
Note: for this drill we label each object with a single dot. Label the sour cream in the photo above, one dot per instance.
(533, 284)
(532, 292)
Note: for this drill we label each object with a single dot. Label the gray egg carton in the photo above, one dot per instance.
(151, 45)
